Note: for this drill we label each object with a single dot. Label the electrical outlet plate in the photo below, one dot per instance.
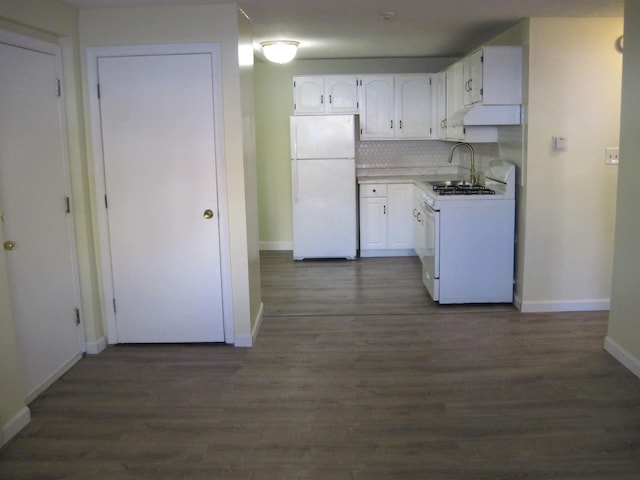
(611, 155)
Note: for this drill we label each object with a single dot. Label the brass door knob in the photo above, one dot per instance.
(208, 214)
(8, 245)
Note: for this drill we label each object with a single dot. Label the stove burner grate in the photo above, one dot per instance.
(462, 189)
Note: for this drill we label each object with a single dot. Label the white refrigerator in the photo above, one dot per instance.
(323, 176)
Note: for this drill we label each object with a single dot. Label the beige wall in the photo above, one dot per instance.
(206, 23)
(574, 91)
(51, 20)
(624, 320)
(274, 105)
(571, 87)
(245, 49)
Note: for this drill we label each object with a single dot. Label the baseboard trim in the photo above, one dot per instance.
(402, 252)
(625, 358)
(52, 378)
(93, 348)
(13, 426)
(276, 245)
(564, 306)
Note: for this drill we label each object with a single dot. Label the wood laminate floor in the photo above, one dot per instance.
(356, 375)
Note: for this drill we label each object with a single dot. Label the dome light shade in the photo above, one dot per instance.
(280, 51)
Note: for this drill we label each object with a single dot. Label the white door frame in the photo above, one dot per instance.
(30, 43)
(93, 54)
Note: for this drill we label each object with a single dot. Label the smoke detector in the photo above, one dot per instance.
(386, 16)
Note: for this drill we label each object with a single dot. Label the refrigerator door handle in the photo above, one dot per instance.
(294, 173)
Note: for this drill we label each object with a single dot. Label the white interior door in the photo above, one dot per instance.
(33, 200)
(157, 120)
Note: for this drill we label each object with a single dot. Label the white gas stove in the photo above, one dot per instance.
(468, 251)
(499, 184)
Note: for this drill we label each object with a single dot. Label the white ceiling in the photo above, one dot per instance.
(419, 28)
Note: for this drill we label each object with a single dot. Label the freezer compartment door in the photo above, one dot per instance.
(326, 136)
(324, 208)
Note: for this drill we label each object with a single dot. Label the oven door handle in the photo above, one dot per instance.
(432, 226)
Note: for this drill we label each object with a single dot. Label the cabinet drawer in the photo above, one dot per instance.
(373, 190)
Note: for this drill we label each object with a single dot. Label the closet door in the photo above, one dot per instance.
(36, 214)
(157, 124)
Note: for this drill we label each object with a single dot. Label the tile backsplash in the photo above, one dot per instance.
(415, 154)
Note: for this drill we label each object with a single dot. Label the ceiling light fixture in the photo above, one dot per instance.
(280, 51)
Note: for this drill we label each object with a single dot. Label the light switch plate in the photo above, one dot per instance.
(611, 155)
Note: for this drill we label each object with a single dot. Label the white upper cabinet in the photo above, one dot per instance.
(395, 107)
(318, 94)
(308, 95)
(478, 93)
(342, 92)
(455, 100)
(472, 73)
(376, 99)
(493, 76)
(413, 110)
(441, 105)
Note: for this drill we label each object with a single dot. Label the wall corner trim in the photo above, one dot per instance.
(250, 340)
(93, 348)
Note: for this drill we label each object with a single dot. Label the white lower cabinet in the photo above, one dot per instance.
(386, 220)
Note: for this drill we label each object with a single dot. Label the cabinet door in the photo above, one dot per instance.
(418, 219)
(472, 71)
(441, 98)
(400, 220)
(376, 94)
(308, 95)
(373, 223)
(455, 100)
(341, 94)
(413, 111)
(501, 75)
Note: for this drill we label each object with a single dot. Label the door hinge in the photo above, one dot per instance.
(114, 306)
(99, 94)
(77, 316)
(59, 87)
(67, 201)
(106, 203)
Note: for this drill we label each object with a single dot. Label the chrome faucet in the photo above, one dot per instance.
(472, 173)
